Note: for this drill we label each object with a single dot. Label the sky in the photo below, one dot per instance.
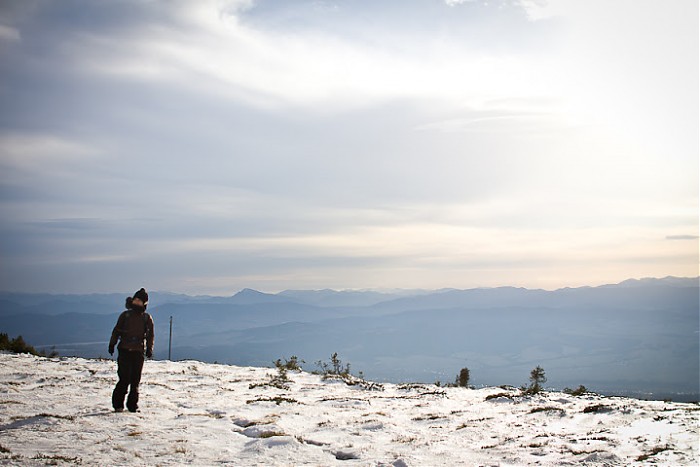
(205, 147)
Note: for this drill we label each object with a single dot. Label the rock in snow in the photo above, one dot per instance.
(57, 411)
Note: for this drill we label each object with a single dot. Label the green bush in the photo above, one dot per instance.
(579, 391)
(499, 395)
(336, 371)
(537, 378)
(462, 379)
(18, 345)
(291, 365)
(335, 368)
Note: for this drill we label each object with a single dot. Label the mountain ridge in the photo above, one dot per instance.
(605, 337)
(247, 293)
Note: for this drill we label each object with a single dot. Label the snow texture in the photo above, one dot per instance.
(57, 412)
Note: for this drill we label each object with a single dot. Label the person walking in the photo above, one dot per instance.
(133, 327)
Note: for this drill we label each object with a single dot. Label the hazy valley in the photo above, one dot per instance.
(637, 338)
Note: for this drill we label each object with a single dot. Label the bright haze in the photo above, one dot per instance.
(207, 146)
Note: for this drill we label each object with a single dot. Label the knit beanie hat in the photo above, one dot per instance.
(142, 295)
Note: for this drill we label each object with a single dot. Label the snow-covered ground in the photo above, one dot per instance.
(57, 411)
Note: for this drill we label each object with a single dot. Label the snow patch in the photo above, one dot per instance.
(57, 411)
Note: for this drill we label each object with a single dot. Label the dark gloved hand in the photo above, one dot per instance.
(149, 354)
(111, 350)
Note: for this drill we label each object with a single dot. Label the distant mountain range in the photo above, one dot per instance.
(639, 336)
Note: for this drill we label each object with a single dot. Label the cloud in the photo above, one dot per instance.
(9, 34)
(353, 144)
(223, 50)
(540, 9)
(458, 2)
(495, 122)
(682, 237)
(29, 152)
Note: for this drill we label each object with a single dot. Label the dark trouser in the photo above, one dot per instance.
(129, 371)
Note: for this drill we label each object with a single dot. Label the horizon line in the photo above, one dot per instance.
(387, 291)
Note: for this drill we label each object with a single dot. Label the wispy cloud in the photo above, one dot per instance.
(9, 34)
(224, 53)
(30, 152)
(457, 2)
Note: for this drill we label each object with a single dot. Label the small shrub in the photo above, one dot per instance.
(598, 408)
(537, 378)
(412, 387)
(18, 345)
(462, 379)
(336, 371)
(290, 365)
(428, 417)
(52, 354)
(346, 455)
(280, 380)
(271, 434)
(277, 400)
(366, 385)
(548, 409)
(57, 458)
(579, 391)
(499, 395)
(335, 367)
(653, 452)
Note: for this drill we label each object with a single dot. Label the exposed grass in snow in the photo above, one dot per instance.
(557, 410)
(57, 412)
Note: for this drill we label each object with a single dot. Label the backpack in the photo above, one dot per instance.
(129, 314)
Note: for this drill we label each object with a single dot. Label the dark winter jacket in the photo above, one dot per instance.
(133, 327)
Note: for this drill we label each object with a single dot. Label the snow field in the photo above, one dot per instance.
(57, 411)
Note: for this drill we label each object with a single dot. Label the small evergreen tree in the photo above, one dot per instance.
(335, 368)
(537, 378)
(4, 341)
(291, 364)
(18, 345)
(339, 372)
(462, 379)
